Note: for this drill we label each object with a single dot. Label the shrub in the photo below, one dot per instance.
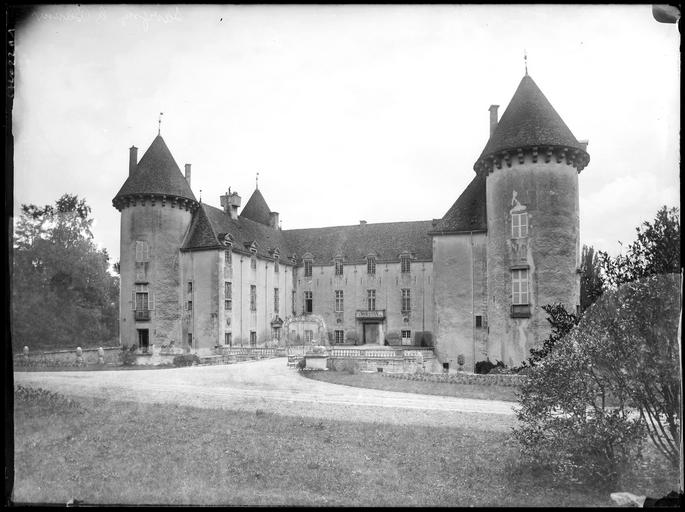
(45, 398)
(575, 416)
(484, 367)
(301, 364)
(186, 360)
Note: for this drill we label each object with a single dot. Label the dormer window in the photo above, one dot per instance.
(519, 225)
(338, 266)
(371, 264)
(308, 268)
(405, 263)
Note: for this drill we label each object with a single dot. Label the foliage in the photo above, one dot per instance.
(128, 357)
(485, 367)
(591, 281)
(577, 414)
(186, 360)
(43, 397)
(62, 292)
(562, 323)
(656, 251)
(301, 364)
(460, 360)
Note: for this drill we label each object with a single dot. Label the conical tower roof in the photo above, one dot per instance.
(529, 121)
(256, 209)
(157, 173)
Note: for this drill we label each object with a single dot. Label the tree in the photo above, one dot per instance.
(562, 322)
(656, 251)
(591, 281)
(577, 405)
(62, 292)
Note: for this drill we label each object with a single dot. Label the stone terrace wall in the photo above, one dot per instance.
(500, 379)
(67, 357)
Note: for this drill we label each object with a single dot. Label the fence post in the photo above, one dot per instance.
(101, 356)
(79, 356)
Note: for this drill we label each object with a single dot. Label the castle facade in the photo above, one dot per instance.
(471, 284)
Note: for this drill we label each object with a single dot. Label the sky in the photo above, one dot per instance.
(346, 112)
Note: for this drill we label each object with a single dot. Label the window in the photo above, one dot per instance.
(338, 301)
(371, 265)
(276, 301)
(308, 336)
(406, 337)
(519, 225)
(338, 267)
(253, 298)
(479, 321)
(142, 302)
(276, 266)
(446, 367)
(190, 339)
(253, 338)
(371, 300)
(308, 302)
(276, 333)
(228, 295)
(228, 261)
(340, 336)
(406, 299)
(190, 287)
(307, 268)
(190, 305)
(228, 338)
(292, 300)
(519, 286)
(142, 251)
(405, 263)
(253, 262)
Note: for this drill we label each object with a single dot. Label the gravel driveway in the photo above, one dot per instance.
(270, 385)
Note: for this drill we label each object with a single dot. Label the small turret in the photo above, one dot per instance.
(230, 202)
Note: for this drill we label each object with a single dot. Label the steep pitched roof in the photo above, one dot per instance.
(256, 209)
(529, 120)
(157, 173)
(386, 240)
(468, 213)
(210, 224)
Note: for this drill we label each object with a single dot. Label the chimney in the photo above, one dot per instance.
(230, 202)
(132, 160)
(362, 223)
(493, 118)
(583, 144)
(188, 174)
(273, 220)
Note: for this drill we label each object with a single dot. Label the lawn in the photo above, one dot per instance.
(377, 381)
(129, 453)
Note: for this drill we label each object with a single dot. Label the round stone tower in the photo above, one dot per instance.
(156, 205)
(531, 164)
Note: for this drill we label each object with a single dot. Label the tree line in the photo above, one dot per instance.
(62, 293)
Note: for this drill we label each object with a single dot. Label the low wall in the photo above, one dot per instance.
(498, 379)
(54, 358)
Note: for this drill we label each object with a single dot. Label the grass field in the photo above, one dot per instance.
(129, 453)
(377, 381)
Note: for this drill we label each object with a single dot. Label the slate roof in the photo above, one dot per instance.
(468, 213)
(209, 224)
(157, 173)
(387, 240)
(529, 120)
(256, 209)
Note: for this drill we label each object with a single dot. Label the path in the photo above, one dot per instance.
(270, 385)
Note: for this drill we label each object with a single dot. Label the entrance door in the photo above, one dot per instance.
(370, 333)
(143, 339)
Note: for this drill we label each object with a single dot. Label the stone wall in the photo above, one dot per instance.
(465, 378)
(55, 358)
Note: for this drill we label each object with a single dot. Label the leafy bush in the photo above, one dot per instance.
(577, 414)
(485, 367)
(186, 360)
(128, 358)
(45, 398)
(301, 364)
